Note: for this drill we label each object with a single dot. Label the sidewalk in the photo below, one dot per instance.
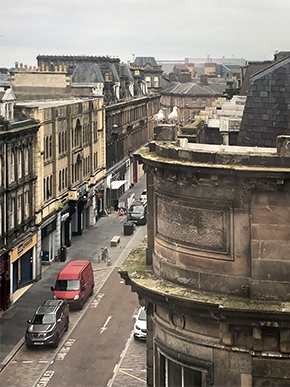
(13, 322)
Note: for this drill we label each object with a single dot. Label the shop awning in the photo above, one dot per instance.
(117, 184)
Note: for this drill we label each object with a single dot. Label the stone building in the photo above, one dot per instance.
(18, 234)
(129, 104)
(70, 168)
(214, 270)
(191, 97)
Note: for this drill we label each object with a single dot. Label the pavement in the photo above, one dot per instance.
(13, 322)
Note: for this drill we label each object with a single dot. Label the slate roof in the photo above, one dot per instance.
(267, 111)
(143, 60)
(115, 73)
(87, 73)
(194, 88)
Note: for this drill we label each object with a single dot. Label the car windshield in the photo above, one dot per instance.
(43, 319)
(66, 285)
(142, 315)
(137, 209)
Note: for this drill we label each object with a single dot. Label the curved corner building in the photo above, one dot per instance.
(214, 272)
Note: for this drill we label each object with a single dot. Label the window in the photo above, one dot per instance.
(12, 167)
(203, 102)
(26, 204)
(1, 166)
(46, 148)
(19, 163)
(59, 180)
(174, 374)
(156, 82)
(19, 209)
(148, 81)
(65, 141)
(47, 188)
(50, 146)
(95, 129)
(26, 168)
(0, 219)
(194, 104)
(12, 213)
(59, 143)
(63, 180)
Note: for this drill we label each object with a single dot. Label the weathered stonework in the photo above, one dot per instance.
(214, 276)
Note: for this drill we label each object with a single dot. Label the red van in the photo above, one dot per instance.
(75, 283)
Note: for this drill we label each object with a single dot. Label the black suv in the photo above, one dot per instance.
(137, 213)
(48, 324)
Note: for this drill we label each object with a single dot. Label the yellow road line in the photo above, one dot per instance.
(124, 372)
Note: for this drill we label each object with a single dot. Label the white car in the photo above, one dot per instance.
(143, 196)
(140, 326)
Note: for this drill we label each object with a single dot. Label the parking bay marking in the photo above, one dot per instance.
(104, 327)
(132, 376)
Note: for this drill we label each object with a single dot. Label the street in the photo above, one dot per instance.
(92, 352)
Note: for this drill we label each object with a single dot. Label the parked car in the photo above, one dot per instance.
(143, 196)
(140, 326)
(48, 324)
(74, 283)
(137, 213)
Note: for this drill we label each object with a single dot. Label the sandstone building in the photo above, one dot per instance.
(70, 167)
(18, 234)
(213, 273)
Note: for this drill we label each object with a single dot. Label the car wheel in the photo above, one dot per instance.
(55, 344)
(28, 346)
(66, 325)
(81, 304)
(91, 292)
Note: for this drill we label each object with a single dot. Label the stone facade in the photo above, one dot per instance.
(18, 255)
(70, 165)
(213, 277)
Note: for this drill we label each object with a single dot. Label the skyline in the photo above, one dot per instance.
(253, 30)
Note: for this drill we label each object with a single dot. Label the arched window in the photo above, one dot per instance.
(148, 81)
(65, 141)
(156, 82)
(65, 181)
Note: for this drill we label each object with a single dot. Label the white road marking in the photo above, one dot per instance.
(27, 361)
(65, 349)
(104, 327)
(45, 379)
(97, 300)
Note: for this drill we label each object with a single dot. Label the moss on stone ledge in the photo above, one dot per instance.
(142, 275)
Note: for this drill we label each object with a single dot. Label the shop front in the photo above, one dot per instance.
(22, 262)
(4, 281)
(48, 241)
(77, 222)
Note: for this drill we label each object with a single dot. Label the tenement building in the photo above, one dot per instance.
(213, 272)
(70, 168)
(18, 234)
(130, 100)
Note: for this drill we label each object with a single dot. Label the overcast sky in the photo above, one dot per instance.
(165, 29)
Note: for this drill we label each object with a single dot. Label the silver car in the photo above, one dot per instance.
(48, 324)
(140, 326)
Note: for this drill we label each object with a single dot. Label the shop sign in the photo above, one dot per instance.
(23, 247)
(48, 229)
(64, 217)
